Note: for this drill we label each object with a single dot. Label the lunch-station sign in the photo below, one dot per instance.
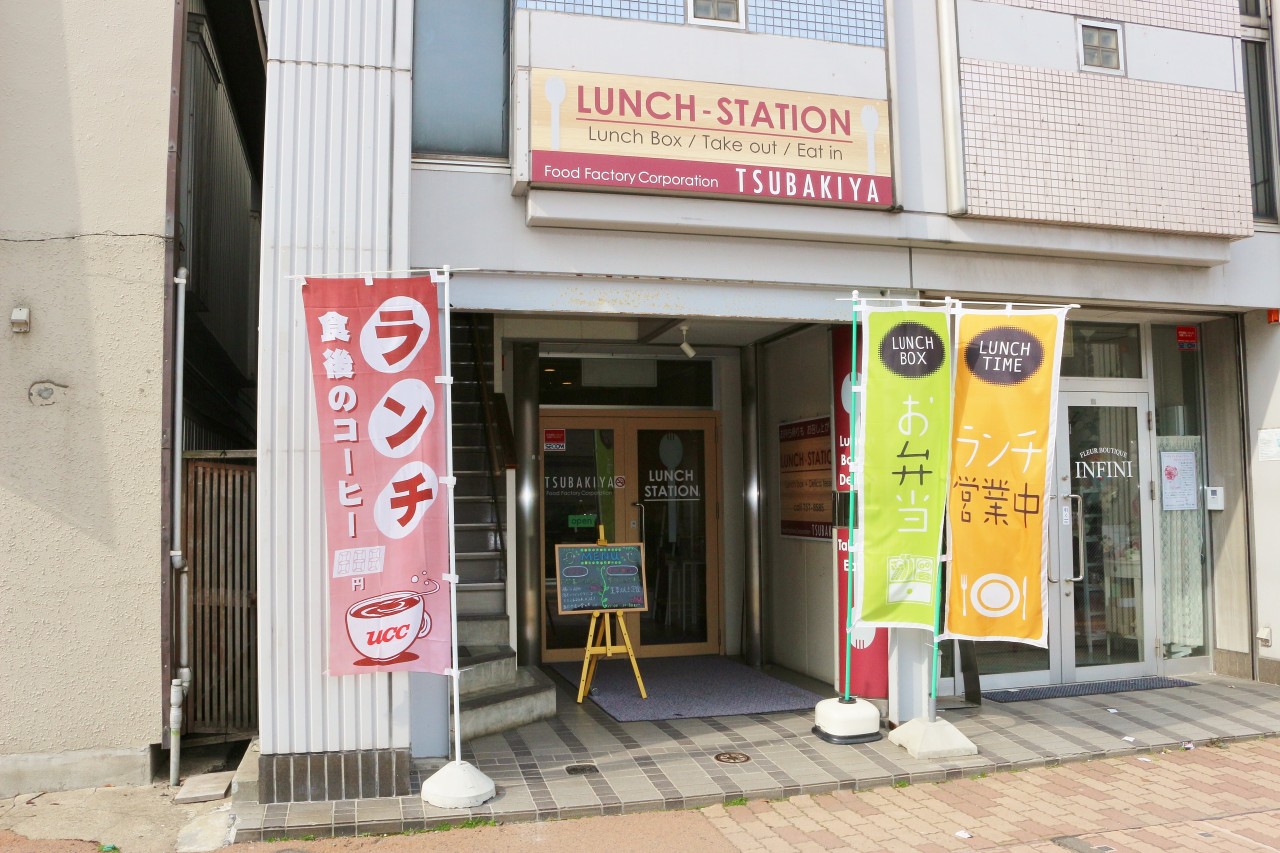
(678, 137)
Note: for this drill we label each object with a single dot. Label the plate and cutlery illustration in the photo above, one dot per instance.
(994, 594)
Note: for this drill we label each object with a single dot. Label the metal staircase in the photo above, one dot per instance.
(496, 693)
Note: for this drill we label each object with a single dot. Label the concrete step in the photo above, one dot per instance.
(482, 599)
(483, 629)
(474, 538)
(474, 484)
(479, 567)
(471, 509)
(530, 697)
(485, 667)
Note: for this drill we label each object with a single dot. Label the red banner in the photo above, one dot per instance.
(375, 355)
(842, 393)
(869, 667)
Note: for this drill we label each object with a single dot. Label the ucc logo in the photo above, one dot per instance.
(387, 634)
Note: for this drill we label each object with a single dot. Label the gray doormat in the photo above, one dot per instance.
(684, 687)
(1088, 688)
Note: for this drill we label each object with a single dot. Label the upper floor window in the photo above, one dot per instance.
(1101, 47)
(460, 77)
(722, 13)
(1251, 8)
(1262, 153)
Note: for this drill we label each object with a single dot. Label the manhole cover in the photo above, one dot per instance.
(732, 757)
(581, 769)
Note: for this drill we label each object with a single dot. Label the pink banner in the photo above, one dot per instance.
(375, 355)
(703, 177)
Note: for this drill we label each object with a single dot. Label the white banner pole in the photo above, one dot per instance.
(457, 785)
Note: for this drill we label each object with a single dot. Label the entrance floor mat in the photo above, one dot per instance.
(1086, 688)
(684, 687)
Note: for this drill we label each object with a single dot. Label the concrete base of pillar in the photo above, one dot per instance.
(929, 740)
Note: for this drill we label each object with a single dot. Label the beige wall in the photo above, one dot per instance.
(82, 174)
(799, 574)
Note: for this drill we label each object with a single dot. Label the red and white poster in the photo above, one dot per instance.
(375, 356)
(869, 665)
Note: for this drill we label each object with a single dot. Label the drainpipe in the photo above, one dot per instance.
(179, 686)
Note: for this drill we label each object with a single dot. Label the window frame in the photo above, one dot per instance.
(1118, 28)
(1261, 37)
(740, 24)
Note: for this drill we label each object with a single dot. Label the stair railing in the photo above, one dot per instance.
(500, 443)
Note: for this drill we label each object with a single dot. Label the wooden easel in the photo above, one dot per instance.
(600, 643)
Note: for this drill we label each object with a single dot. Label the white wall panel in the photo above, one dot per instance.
(335, 170)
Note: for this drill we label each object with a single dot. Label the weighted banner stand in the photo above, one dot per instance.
(597, 649)
(457, 785)
(845, 720)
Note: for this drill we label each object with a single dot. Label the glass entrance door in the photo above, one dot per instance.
(1105, 564)
(1101, 598)
(644, 478)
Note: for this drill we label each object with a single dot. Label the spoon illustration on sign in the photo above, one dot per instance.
(555, 92)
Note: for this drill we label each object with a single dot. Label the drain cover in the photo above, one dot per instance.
(581, 769)
(732, 757)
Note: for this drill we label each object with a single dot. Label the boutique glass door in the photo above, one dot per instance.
(649, 478)
(1105, 566)
(1101, 603)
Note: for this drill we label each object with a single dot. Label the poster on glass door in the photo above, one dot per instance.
(1006, 387)
(375, 356)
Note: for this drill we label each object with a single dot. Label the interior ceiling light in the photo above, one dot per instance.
(685, 346)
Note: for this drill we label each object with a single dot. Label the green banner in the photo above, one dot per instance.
(906, 438)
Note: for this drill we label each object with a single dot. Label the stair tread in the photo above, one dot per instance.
(531, 683)
(477, 654)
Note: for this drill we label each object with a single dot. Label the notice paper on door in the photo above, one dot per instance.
(1179, 487)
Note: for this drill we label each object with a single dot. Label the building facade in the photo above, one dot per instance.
(601, 178)
(130, 152)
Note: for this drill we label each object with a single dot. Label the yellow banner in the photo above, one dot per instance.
(1002, 440)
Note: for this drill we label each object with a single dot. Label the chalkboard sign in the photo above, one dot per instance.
(600, 577)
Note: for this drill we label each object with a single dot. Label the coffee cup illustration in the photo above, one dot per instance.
(383, 628)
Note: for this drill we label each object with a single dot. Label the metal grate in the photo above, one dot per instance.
(219, 540)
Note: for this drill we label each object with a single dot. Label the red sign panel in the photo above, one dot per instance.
(866, 647)
(842, 395)
(553, 441)
(1188, 337)
(375, 355)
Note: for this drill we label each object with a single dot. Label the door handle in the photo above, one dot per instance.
(1053, 564)
(640, 506)
(1079, 550)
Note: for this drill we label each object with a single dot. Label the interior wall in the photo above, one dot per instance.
(799, 612)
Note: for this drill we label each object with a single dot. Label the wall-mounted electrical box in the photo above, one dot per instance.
(1214, 497)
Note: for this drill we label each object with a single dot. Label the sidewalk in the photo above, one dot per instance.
(1026, 788)
(583, 763)
(1206, 800)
